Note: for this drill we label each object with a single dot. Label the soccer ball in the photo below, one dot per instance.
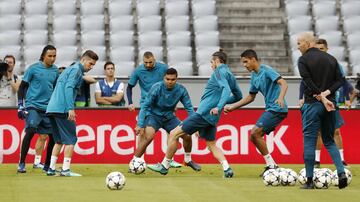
(288, 177)
(327, 170)
(335, 177)
(271, 177)
(322, 179)
(137, 165)
(115, 181)
(302, 175)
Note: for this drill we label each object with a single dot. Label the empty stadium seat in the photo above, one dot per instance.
(120, 23)
(179, 54)
(35, 37)
(66, 53)
(324, 8)
(183, 68)
(149, 23)
(10, 38)
(354, 57)
(124, 68)
(92, 22)
(297, 8)
(338, 52)
(299, 24)
(118, 8)
(36, 22)
(295, 54)
(210, 38)
(351, 24)
(205, 23)
(333, 38)
(36, 7)
(204, 69)
(356, 70)
(64, 7)
(93, 38)
(65, 38)
(153, 38)
(10, 7)
(121, 38)
(293, 40)
(181, 38)
(178, 7)
(177, 23)
(98, 69)
(90, 7)
(203, 8)
(156, 50)
(326, 24)
(14, 50)
(148, 8)
(353, 40)
(64, 22)
(32, 54)
(99, 50)
(203, 54)
(122, 53)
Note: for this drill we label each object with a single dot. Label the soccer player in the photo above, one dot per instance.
(147, 74)
(109, 91)
(322, 77)
(158, 112)
(217, 93)
(342, 97)
(62, 114)
(273, 87)
(34, 94)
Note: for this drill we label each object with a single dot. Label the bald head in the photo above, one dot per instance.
(305, 41)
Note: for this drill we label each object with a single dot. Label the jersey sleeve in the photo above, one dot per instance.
(186, 101)
(253, 89)
(120, 88)
(134, 77)
(272, 74)
(28, 75)
(97, 87)
(225, 93)
(70, 86)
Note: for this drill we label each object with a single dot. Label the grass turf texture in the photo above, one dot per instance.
(181, 184)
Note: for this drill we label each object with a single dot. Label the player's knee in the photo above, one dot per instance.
(30, 130)
(42, 138)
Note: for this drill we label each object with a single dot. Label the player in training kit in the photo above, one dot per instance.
(157, 112)
(273, 87)
(147, 74)
(342, 97)
(34, 94)
(62, 114)
(217, 93)
(322, 77)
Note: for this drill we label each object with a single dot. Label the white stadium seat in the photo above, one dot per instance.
(36, 22)
(10, 38)
(64, 7)
(203, 54)
(124, 68)
(121, 38)
(351, 24)
(153, 38)
(338, 52)
(36, 7)
(93, 38)
(297, 8)
(156, 50)
(99, 50)
(203, 8)
(353, 41)
(10, 7)
(64, 22)
(149, 23)
(120, 23)
(181, 38)
(183, 68)
(148, 8)
(177, 23)
(36, 37)
(118, 8)
(90, 7)
(206, 23)
(122, 53)
(326, 24)
(176, 8)
(324, 8)
(65, 38)
(179, 54)
(299, 24)
(66, 53)
(92, 22)
(333, 38)
(210, 38)
(349, 9)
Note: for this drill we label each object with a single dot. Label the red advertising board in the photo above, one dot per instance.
(107, 136)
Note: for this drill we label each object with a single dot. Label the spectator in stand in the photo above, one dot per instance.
(9, 83)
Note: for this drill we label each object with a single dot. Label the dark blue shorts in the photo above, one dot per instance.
(64, 129)
(339, 121)
(158, 122)
(269, 120)
(197, 123)
(39, 121)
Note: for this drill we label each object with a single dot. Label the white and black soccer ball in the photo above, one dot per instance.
(115, 180)
(288, 177)
(322, 179)
(335, 178)
(271, 177)
(137, 165)
(327, 170)
(302, 175)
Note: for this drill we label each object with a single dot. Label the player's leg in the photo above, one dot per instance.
(337, 135)
(45, 130)
(32, 121)
(56, 147)
(219, 155)
(319, 143)
(39, 147)
(49, 149)
(187, 144)
(144, 141)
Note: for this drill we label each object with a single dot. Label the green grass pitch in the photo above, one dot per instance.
(181, 184)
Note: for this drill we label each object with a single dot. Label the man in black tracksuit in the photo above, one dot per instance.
(322, 77)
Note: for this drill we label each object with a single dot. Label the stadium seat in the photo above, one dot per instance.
(181, 38)
(32, 53)
(35, 37)
(179, 7)
(118, 8)
(65, 38)
(205, 23)
(121, 23)
(124, 68)
(63, 63)
(299, 24)
(351, 24)
(354, 57)
(93, 38)
(293, 40)
(36, 7)
(177, 23)
(10, 7)
(64, 7)
(10, 38)
(92, 22)
(333, 38)
(149, 23)
(153, 38)
(203, 54)
(356, 70)
(36, 22)
(156, 50)
(179, 54)
(148, 8)
(295, 54)
(98, 69)
(90, 7)
(14, 50)
(297, 8)
(66, 53)
(204, 69)
(10, 22)
(353, 40)
(121, 38)
(210, 38)
(338, 52)
(351, 8)
(203, 8)
(326, 24)
(183, 68)
(99, 50)
(64, 22)
(122, 53)
(324, 8)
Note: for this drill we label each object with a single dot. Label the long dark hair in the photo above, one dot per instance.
(46, 48)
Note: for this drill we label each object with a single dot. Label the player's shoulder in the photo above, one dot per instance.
(161, 65)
